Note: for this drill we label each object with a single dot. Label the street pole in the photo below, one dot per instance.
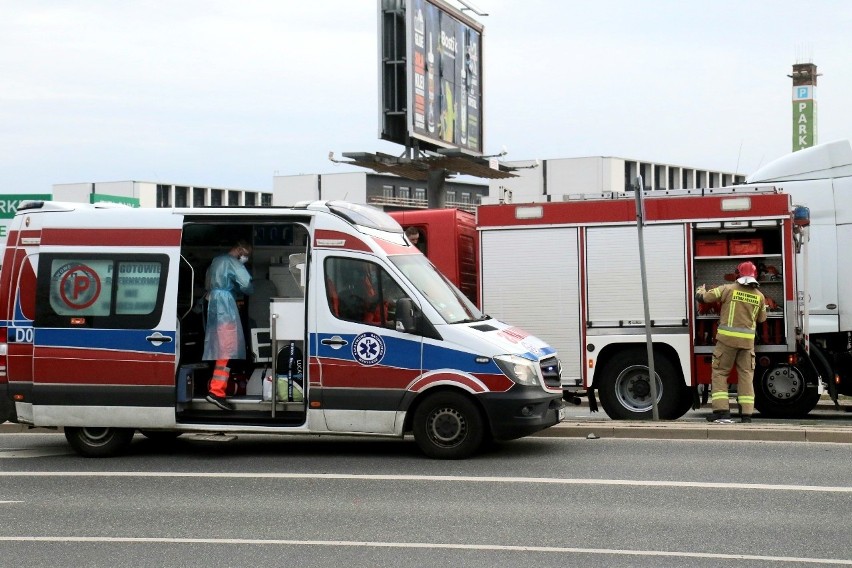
(640, 221)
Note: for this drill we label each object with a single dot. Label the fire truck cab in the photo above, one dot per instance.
(350, 330)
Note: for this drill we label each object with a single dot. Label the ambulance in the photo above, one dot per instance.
(350, 330)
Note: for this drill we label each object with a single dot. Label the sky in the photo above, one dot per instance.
(231, 93)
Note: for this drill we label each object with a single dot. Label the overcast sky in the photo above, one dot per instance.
(231, 93)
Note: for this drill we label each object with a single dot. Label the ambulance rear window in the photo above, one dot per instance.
(106, 291)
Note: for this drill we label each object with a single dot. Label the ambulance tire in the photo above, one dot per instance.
(448, 426)
(162, 436)
(98, 442)
(625, 391)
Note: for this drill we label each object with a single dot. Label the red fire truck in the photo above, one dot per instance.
(569, 272)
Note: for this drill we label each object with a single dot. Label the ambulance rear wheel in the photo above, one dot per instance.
(625, 388)
(98, 442)
(447, 425)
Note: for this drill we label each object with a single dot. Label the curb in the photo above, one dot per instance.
(694, 431)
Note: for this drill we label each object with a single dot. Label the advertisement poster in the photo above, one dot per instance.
(446, 76)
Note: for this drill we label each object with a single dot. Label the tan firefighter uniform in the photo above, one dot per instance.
(743, 307)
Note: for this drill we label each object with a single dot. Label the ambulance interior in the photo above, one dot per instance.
(273, 368)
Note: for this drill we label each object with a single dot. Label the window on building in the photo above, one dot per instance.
(251, 199)
(266, 200)
(405, 192)
(387, 191)
(234, 198)
(420, 193)
(198, 194)
(164, 195)
(216, 197)
(181, 196)
(451, 196)
(465, 198)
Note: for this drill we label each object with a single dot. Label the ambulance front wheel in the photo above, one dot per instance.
(98, 442)
(448, 425)
(625, 388)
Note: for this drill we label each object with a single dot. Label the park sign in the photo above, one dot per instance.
(9, 204)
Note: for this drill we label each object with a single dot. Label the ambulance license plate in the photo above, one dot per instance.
(563, 412)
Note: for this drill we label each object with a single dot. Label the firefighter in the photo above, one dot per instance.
(743, 307)
(223, 337)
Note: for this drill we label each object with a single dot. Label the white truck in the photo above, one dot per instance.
(821, 179)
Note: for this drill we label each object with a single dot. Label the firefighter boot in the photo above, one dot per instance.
(720, 417)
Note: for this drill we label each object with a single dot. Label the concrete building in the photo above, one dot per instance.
(157, 194)
(382, 190)
(552, 180)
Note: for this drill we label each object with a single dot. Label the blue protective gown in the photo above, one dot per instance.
(223, 338)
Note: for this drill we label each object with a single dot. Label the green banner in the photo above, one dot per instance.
(101, 198)
(9, 202)
(804, 125)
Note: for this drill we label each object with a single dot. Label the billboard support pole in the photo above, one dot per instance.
(435, 194)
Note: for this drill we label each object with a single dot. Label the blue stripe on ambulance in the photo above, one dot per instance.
(112, 339)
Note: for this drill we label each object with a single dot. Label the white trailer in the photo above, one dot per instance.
(821, 179)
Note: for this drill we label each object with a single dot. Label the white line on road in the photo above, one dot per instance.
(427, 545)
(9, 502)
(35, 452)
(434, 478)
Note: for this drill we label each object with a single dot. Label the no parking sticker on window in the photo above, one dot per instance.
(78, 285)
(368, 348)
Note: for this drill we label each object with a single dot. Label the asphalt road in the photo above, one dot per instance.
(541, 501)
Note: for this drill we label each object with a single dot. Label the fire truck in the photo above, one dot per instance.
(570, 273)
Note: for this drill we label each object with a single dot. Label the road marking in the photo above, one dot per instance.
(433, 478)
(36, 452)
(9, 502)
(429, 545)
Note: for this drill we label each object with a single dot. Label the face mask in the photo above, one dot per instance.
(243, 259)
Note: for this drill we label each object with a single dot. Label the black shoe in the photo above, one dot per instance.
(219, 401)
(720, 418)
(745, 419)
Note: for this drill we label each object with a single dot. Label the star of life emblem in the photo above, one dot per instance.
(368, 348)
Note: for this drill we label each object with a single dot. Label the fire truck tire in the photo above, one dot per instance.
(98, 442)
(448, 425)
(625, 390)
(781, 391)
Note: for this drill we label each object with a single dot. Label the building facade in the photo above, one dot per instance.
(157, 194)
(553, 180)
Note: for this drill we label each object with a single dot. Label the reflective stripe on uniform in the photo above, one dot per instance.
(744, 332)
(719, 395)
(745, 399)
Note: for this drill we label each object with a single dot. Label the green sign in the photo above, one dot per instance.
(804, 116)
(9, 202)
(101, 198)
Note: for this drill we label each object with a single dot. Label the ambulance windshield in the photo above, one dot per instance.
(453, 306)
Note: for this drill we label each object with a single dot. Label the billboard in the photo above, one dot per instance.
(442, 82)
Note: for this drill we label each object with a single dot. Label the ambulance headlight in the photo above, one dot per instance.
(520, 370)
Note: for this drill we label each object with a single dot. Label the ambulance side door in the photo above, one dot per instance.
(365, 364)
(105, 335)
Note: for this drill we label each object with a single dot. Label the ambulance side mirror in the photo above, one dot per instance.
(407, 315)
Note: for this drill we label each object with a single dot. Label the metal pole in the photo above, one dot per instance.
(640, 221)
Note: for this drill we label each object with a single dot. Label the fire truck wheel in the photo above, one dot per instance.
(625, 390)
(448, 426)
(782, 391)
(98, 442)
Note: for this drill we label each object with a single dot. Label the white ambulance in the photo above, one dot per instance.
(101, 331)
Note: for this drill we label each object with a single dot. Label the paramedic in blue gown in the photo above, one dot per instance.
(223, 339)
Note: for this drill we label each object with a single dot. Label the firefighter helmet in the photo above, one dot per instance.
(747, 273)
